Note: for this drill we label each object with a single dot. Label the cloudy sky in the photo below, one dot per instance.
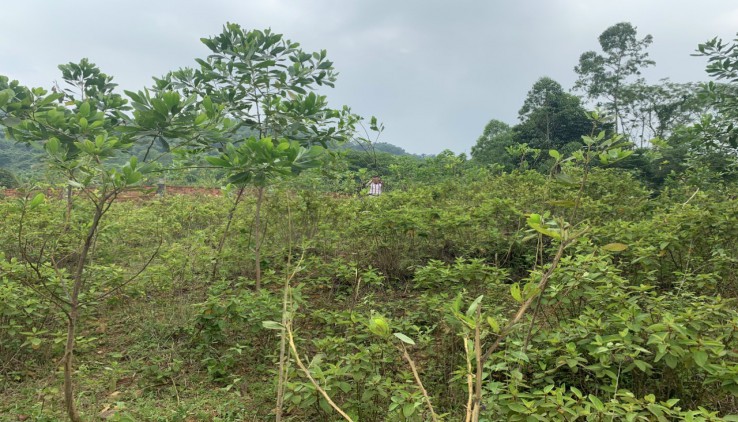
(435, 72)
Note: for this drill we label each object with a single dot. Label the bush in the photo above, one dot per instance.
(7, 179)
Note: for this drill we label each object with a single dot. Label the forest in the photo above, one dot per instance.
(579, 265)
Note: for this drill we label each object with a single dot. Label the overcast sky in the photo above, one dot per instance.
(435, 72)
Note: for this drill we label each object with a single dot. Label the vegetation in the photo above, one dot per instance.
(561, 273)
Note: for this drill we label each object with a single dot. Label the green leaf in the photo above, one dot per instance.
(36, 201)
(566, 179)
(597, 403)
(408, 409)
(5, 96)
(493, 324)
(378, 325)
(217, 161)
(517, 407)
(515, 293)
(84, 110)
(324, 405)
(656, 410)
(700, 357)
(200, 119)
(10, 121)
(671, 402)
(52, 146)
(643, 366)
(272, 325)
(473, 307)
(535, 221)
(344, 386)
(171, 99)
(404, 338)
(615, 247)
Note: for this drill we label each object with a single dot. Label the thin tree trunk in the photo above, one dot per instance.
(257, 228)
(68, 213)
(231, 212)
(478, 355)
(469, 381)
(307, 373)
(68, 365)
(283, 350)
(524, 307)
(74, 313)
(414, 370)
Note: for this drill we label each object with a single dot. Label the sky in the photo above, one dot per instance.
(434, 72)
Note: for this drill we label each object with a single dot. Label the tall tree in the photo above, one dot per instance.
(550, 117)
(656, 111)
(604, 78)
(492, 144)
(723, 97)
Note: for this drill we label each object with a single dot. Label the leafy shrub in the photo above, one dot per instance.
(7, 179)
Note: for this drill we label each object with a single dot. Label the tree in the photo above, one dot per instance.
(550, 117)
(491, 145)
(604, 78)
(260, 163)
(264, 87)
(267, 85)
(723, 97)
(656, 111)
(79, 136)
(7, 179)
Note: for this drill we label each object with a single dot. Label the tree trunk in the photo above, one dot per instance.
(68, 213)
(283, 350)
(257, 228)
(74, 314)
(68, 365)
(231, 212)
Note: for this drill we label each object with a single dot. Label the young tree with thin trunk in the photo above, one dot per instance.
(263, 86)
(81, 132)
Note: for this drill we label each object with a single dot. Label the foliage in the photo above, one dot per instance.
(606, 77)
(492, 144)
(7, 179)
(576, 292)
(550, 117)
(267, 85)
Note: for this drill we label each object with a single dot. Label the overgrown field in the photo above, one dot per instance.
(630, 296)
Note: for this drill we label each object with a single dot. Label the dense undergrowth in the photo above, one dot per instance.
(638, 321)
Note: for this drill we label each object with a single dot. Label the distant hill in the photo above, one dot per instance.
(378, 147)
(19, 159)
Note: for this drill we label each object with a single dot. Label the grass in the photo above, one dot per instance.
(139, 366)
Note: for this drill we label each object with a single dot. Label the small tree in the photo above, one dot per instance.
(259, 163)
(80, 137)
(263, 86)
(7, 179)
